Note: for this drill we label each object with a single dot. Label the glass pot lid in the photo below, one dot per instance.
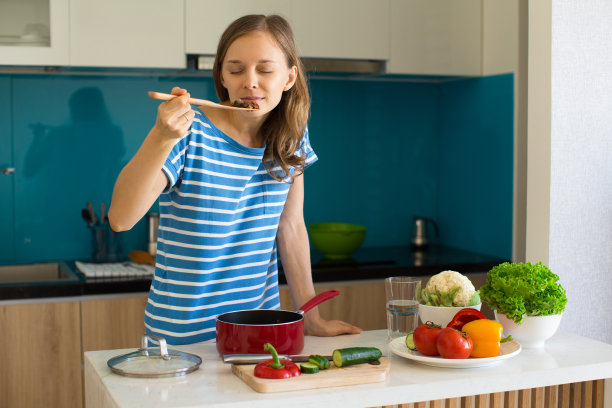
(151, 362)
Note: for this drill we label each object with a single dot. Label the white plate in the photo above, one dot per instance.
(508, 350)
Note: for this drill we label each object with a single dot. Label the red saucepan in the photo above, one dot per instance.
(246, 331)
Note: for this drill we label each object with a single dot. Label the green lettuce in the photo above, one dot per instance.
(523, 289)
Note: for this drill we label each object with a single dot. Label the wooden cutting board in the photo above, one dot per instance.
(332, 377)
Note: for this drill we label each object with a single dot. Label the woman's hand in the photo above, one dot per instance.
(316, 326)
(174, 117)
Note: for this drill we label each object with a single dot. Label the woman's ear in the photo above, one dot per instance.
(292, 78)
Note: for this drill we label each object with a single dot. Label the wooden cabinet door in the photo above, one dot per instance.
(41, 355)
(361, 303)
(112, 323)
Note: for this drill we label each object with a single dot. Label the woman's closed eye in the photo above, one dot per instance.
(266, 68)
(261, 71)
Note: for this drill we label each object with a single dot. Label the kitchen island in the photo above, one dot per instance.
(72, 314)
(561, 374)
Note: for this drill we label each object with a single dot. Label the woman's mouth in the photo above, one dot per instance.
(255, 99)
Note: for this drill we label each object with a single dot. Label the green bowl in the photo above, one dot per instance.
(336, 240)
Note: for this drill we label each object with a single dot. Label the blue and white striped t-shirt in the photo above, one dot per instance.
(216, 247)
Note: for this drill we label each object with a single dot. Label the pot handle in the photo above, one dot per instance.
(320, 298)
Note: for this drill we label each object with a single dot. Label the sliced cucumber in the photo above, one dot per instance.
(410, 341)
(355, 355)
(309, 368)
(320, 361)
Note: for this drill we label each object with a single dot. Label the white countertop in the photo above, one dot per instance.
(566, 358)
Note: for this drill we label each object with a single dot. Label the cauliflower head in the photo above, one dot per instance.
(449, 288)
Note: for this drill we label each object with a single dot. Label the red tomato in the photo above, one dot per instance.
(453, 343)
(425, 337)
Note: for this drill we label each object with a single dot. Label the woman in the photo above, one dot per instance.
(230, 190)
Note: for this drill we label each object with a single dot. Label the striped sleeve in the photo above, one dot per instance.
(305, 149)
(175, 163)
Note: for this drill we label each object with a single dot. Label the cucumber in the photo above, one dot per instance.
(355, 355)
(309, 368)
(410, 341)
(320, 361)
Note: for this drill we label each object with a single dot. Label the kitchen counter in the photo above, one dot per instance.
(366, 263)
(567, 358)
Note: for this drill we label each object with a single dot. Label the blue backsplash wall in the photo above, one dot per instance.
(388, 150)
(475, 163)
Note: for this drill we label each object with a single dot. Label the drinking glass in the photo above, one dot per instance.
(402, 305)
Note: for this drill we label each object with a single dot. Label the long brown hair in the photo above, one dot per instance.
(284, 127)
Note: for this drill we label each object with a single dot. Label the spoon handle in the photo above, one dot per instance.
(201, 102)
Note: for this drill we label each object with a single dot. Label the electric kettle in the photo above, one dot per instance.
(419, 233)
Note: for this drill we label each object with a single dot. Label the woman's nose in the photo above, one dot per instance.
(250, 80)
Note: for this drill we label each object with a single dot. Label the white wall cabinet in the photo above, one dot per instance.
(205, 20)
(91, 33)
(453, 37)
(418, 37)
(34, 32)
(352, 29)
(439, 37)
(500, 37)
(116, 33)
(348, 29)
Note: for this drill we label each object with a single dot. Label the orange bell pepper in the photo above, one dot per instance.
(486, 335)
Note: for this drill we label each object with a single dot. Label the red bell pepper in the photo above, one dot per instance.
(465, 316)
(275, 368)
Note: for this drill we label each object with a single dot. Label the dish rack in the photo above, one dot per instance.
(115, 270)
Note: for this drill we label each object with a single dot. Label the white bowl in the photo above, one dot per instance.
(441, 315)
(533, 331)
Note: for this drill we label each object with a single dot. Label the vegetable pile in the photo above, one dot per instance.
(520, 289)
(469, 334)
(449, 288)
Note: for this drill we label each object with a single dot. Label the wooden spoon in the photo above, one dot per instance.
(142, 257)
(202, 102)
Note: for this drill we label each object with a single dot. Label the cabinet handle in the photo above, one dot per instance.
(7, 170)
